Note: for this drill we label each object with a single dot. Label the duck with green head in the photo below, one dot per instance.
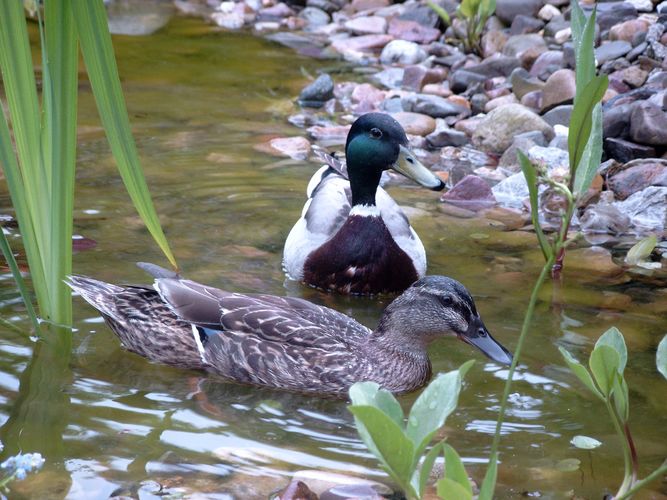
(352, 237)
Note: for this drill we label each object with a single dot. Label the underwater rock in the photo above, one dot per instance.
(471, 193)
(318, 92)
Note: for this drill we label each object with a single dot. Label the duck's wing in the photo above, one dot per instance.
(330, 160)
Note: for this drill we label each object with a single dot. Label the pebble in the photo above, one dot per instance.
(297, 148)
(522, 82)
(365, 43)
(637, 175)
(412, 31)
(402, 52)
(415, 123)
(496, 131)
(548, 12)
(318, 92)
(648, 124)
(370, 25)
(320, 481)
(593, 262)
(507, 10)
(559, 88)
(471, 193)
(433, 105)
(612, 50)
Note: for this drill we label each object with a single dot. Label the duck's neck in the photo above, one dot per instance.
(364, 181)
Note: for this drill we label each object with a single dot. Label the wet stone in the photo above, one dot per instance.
(471, 193)
(351, 491)
(415, 123)
(296, 490)
(641, 174)
(445, 136)
(317, 93)
(646, 208)
(593, 262)
(604, 218)
(624, 151)
(321, 481)
(297, 148)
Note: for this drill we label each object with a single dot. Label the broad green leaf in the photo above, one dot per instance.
(585, 442)
(432, 408)
(641, 250)
(444, 15)
(489, 482)
(465, 367)
(371, 394)
(487, 8)
(394, 450)
(604, 364)
(661, 357)
(581, 120)
(621, 397)
(580, 371)
(467, 8)
(590, 159)
(448, 489)
(531, 180)
(614, 339)
(455, 470)
(427, 466)
(91, 23)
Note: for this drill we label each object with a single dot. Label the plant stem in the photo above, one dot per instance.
(517, 353)
(643, 482)
(628, 477)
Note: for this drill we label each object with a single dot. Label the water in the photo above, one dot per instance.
(110, 422)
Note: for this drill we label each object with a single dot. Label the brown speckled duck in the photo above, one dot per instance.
(284, 342)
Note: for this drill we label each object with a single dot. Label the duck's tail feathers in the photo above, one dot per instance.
(97, 293)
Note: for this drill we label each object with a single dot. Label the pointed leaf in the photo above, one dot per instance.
(604, 363)
(489, 483)
(585, 442)
(448, 489)
(621, 397)
(614, 339)
(427, 467)
(581, 120)
(371, 394)
(583, 36)
(455, 470)
(465, 367)
(661, 357)
(531, 180)
(444, 15)
(432, 408)
(641, 250)
(591, 157)
(580, 371)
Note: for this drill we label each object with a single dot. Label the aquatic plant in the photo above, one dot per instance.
(606, 381)
(18, 467)
(474, 14)
(400, 446)
(40, 173)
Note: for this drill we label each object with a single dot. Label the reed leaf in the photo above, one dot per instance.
(91, 23)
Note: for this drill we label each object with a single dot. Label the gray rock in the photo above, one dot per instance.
(611, 13)
(560, 88)
(461, 79)
(433, 105)
(471, 192)
(306, 45)
(325, 5)
(402, 52)
(547, 63)
(422, 14)
(555, 25)
(367, 25)
(496, 131)
(616, 120)
(604, 218)
(522, 142)
(636, 175)
(624, 151)
(478, 102)
(648, 124)
(444, 136)
(507, 10)
(560, 115)
(496, 65)
(391, 78)
(523, 24)
(636, 51)
(647, 208)
(522, 82)
(512, 191)
(318, 92)
(392, 105)
(568, 55)
(612, 50)
(518, 44)
(314, 18)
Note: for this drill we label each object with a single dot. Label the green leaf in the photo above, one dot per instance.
(641, 250)
(614, 339)
(568, 465)
(451, 490)
(371, 394)
(583, 35)
(392, 448)
(621, 397)
(486, 9)
(661, 357)
(590, 159)
(432, 408)
(585, 442)
(91, 23)
(604, 364)
(427, 466)
(442, 13)
(455, 470)
(468, 8)
(489, 483)
(465, 367)
(580, 371)
(581, 120)
(531, 180)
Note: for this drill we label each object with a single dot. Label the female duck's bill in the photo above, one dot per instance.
(477, 335)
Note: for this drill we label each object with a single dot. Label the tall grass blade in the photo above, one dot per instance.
(583, 34)
(91, 23)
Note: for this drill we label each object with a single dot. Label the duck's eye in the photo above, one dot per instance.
(376, 133)
(446, 301)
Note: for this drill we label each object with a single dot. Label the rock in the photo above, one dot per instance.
(522, 82)
(461, 79)
(305, 45)
(233, 20)
(593, 262)
(444, 136)
(641, 5)
(331, 134)
(500, 101)
(638, 175)
(314, 18)
(422, 14)
(648, 124)
(415, 77)
(507, 10)
(367, 25)
(547, 63)
(512, 191)
(533, 100)
(317, 93)
(402, 52)
(496, 131)
(325, 5)
(616, 120)
(441, 89)
(647, 208)
(275, 12)
(634, 76)
(415, 123)
(512, 219)
(560, 115)
(517, 45)
(559, 88)
(548, 12)
(563, 35)
(433, 105)
(320, 481)
(612, 50)
(612, 13)
(296, 490)
(412, 31)
(493, 42)
(297, 148)
(604, 218)
(624, 151)
(523, 24)
(471, 193)
(627, 30)
(391, 78)
(478, 103)
(365, 43)
(522, 142)
(351, 492)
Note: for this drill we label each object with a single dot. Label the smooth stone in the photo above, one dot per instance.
(500, 101)
(511, 192)
(507, 10)
(320, 481)
(315, 94)
(229, 20)
(496, 131)
(441, 89)
(336, 133)
(303, 44)
(471, 193)
(523, 143)
(563, 35)
(351, 491)
(511, 219)
(402, 52)
(638, 175)
(593, 262)
(558, 23)
(391, 78)
(296, 490)
(533, 100)
(412, 31)
(560, 115)
(647, 208)
(523, 24)
(604, 218)
(634, 76)
(636, 52)
(493, 42)
(314, 18)
(364, 43)
(548, 12)
(370, 25)
(568, 55)
(648, 124)
(325, 5)
(641, 5)
(559, 88)
(616, 120)
(422, 14)
(275, 12)
(495, 66)
(297, 148)
(624, 151)
(628, 30)
(547, 63)
(522, 82)
(612, 50)
(518, 44)
(444, 136)
(416, 76)
(415, 123)
(364, 5)
(433, 105)
(612, 13)
(461, 79)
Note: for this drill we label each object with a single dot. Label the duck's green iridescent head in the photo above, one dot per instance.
(377, 142)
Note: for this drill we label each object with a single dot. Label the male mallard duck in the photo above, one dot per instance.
(352, 237)
(284, 342)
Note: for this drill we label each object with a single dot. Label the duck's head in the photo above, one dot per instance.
(437, 306)
(377, 142)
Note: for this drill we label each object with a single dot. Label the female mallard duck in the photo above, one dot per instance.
(284, 342)
(352, 237)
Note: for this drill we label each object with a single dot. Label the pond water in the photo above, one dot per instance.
(111, 423)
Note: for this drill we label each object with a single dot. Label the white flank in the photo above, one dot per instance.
(365, 211)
